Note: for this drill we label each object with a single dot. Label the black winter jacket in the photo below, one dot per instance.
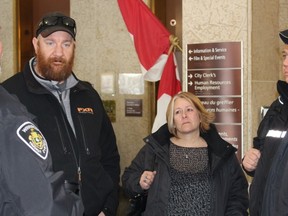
(229, 181)
(93, 151)
(28, 186)
(268, 191)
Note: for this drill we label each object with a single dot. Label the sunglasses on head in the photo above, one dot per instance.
(58, 20)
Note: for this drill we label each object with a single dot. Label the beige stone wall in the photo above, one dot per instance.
(265, 57)
(8, 37)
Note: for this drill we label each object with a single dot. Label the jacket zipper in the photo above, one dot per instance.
(83, 136)
(70, 141)
(61, 137)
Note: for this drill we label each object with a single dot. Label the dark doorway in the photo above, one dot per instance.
(170, 14)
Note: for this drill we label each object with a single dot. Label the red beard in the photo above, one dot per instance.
(54, 68)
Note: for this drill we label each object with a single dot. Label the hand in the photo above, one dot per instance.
(251, 159)
(101, 214)
(147, 179)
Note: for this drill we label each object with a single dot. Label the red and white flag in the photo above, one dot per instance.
(152, 43)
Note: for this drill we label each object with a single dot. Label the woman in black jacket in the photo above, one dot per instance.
(186, 168)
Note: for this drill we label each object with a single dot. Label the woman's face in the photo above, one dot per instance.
(186, 117)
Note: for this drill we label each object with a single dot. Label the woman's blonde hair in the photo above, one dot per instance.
(205, 117)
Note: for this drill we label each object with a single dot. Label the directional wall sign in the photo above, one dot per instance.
(215, 82)
(227, 109)
(233, 135)
(214, 74)
(214, 55)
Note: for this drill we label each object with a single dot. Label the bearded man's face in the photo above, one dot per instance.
(55, 56)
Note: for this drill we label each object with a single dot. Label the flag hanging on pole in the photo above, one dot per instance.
(150, 37)
(152, 45)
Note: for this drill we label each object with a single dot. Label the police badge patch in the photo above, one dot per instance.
(33, 138)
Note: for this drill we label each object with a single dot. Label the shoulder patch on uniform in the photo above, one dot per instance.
(33, 138)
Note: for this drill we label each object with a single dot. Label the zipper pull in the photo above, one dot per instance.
(79, 174)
